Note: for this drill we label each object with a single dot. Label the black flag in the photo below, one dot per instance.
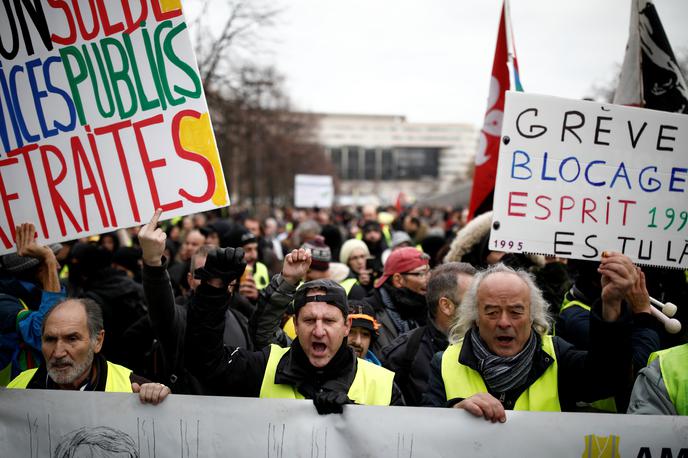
(650, 76)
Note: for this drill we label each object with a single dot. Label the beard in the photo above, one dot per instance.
(64, 371)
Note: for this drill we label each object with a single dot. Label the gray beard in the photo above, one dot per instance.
(69, 376)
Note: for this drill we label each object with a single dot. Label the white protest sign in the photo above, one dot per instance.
(102, 118)
(576, 178)
(36, 423)
(313, 191)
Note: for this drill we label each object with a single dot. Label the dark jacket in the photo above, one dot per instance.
(238, 372)
(41, 381)
(385, 313)
(582, 375)
(167, 320)
(409, 358)
(122, 302)
(573, 325)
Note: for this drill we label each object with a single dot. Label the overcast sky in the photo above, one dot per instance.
(431, 59)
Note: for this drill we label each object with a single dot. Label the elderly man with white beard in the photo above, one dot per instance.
(71, 340)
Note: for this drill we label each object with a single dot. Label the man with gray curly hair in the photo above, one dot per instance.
(500, 356)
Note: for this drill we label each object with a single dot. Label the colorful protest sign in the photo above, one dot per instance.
(39, 423)
(102, 118)
(576, 178)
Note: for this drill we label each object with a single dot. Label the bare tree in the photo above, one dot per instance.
(262, 143)
(222, 48)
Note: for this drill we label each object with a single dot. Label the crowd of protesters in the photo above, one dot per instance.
(387, 306)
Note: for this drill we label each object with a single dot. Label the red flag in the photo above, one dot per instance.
(488, 146)
(650, 76)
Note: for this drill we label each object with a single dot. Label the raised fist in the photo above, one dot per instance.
(226, 264)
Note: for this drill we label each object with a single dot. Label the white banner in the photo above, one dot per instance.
(313, 191)
(576, 178)
(102, 118)
(39, 423)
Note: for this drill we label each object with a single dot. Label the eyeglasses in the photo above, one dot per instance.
(422, 274)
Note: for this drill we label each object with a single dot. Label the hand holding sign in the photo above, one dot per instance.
(619, 275)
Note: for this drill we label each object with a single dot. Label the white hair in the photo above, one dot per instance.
(467, 313)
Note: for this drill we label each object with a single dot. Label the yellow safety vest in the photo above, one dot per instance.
(372, 384)
(460, 381)
(117, 379)
(261, 275)
(568, 304)
(673, 363)
(347, 284)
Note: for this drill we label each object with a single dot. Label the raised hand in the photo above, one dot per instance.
(26, 243)
(46, 275)
(637, 296)
(296, 265)
(226, 264)
(152, 240)
(619, 275)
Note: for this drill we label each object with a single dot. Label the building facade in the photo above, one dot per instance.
(378, 156)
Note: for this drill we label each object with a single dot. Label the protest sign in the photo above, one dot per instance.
(102, 118)
(38, 423)
(313, 191)
(576, 178)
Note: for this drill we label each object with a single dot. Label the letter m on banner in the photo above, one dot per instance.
(488, 146)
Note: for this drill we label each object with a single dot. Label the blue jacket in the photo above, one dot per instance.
(23, 306)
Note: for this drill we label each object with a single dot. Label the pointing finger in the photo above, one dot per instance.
(156, 216)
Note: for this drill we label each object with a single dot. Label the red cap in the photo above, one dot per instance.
(402, 260)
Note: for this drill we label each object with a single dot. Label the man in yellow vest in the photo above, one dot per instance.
(318, 365)
(501, 358)
(72, 337)
(662, 387)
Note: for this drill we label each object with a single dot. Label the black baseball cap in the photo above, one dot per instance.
(334, 295)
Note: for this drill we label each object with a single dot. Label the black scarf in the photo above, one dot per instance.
(410, 305)
(500, 373)
(297, 370)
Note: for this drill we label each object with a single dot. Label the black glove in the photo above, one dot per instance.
(225, 263)
(331, 402)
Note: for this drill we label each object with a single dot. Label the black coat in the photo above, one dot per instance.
(409, 357)
(167, 320)
(239, 372)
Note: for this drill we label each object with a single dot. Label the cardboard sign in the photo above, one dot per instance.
(313, 191)
(41, 423)
(102, 118)
(576, 178)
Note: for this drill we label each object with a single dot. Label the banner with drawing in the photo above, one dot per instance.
(576, 178)
(102, 118)
(44, 423)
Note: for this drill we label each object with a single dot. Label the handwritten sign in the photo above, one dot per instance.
(38, 423)
(576, 178)
(102, 118)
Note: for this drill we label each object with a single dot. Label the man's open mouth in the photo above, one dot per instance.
(319, 347)
(505, 339)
